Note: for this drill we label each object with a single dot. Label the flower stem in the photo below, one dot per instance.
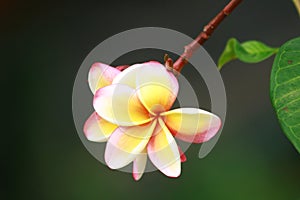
(204, 35)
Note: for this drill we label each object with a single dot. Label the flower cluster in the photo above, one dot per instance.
(132, 114)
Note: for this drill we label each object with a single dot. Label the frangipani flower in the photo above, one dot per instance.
(132, 113)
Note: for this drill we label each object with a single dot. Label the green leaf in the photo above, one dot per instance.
(249, 52)
(285, 89)
(297, 5)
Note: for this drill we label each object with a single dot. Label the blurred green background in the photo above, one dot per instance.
(42, 46)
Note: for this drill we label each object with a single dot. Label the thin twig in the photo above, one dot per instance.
(204, 35)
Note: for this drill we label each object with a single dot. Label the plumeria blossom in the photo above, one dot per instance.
(132, 113)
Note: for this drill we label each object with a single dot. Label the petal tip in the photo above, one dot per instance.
(89, 128)
(101, 75)
(174, 174)
(109, 162)
(136, 176)
(214, 129)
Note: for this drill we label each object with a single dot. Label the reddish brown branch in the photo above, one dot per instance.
(204, 35)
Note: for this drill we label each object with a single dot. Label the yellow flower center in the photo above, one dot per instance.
(156, 110)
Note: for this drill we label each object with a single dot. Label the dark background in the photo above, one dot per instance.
(42, 46)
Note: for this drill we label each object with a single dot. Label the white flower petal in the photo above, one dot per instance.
(163, 152)
(97, 129)
(139, 165)
(119, 105)
(128, 76)
(192, 124)
(126, 143)
(157, 87)
(101, 75)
